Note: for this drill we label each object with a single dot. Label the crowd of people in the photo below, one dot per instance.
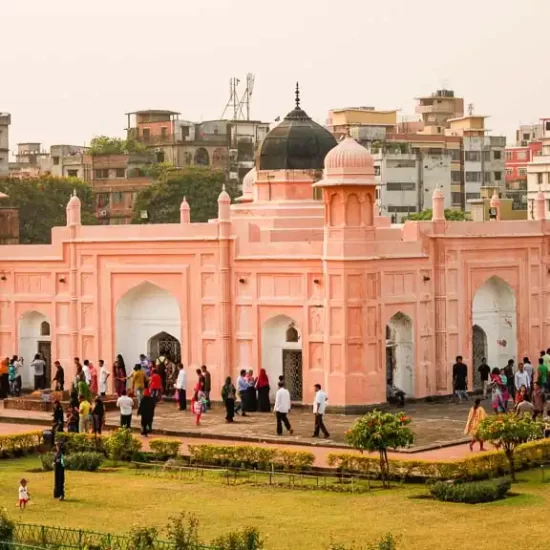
(522, 391)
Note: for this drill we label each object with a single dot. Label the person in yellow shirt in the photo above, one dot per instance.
(138, 379)
(84, 415)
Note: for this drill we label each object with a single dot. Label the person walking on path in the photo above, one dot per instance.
(94, 379)
(476, 415)
(521, 378)
(497, 398)
(86, 370)
(146, 410)
(12, 378)
(58, 417)
(198, 404)
(84, 410)
(282, 408)
(139, 380)
(207, 384)
(38, 365)
(262, 386)
(59, 472)
(59, 378)
(228, 397)
(319, 406)
(460, 377)
(125, 404)
(539, 399)
(98, 416)
(120, 377)
(530, 371)
(181, 388)
(242, 388)
(251, 392)
(484, 372)
(155, 385)
(103, 378)
(510, 381)
(542, 372)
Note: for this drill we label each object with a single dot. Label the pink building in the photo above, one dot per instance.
(301, 277)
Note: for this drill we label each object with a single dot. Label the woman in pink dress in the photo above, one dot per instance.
(93, 379)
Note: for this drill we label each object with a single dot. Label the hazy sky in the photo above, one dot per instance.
(70, 69)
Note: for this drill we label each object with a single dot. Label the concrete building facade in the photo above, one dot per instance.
(538, 173)
(5, 121)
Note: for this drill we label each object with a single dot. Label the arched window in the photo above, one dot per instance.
(45, 328)
(291, 334)
(201, 157)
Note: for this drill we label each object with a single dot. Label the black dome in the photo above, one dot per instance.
(298, 143)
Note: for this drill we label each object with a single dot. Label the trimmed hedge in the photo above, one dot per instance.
(480, 466)
(20, 444)
(245, 456)
(84, 461)
(473, 492)
(165, 448)
(81, 443)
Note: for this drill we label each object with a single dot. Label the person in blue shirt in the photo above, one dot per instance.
(242, 388)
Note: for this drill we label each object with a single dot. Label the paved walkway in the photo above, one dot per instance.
(434, 424)
(321, 453)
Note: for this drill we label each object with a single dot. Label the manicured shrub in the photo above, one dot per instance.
(479, 466)
(379, 431)
(165, 448)
(121, 445)
(246, 539)
(248, 456)
(81, 443)
(509, 431)
(472, 492)
(84, 462)
(20, 444)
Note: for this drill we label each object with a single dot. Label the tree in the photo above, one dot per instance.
(507, 431)
(450, 215)
(379, 431)
(42, 202)
(201, 187)
(104, 145)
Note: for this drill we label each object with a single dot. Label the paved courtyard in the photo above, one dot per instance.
(435, 425)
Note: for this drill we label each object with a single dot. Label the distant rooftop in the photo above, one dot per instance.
(363, 108)
(154, 112)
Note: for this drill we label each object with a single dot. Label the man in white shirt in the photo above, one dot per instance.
(125, 404)
(181, 387)
(282, 408)
(86, 370)
(521, 378)
(319, 405)
(103, 377)
(39, 366)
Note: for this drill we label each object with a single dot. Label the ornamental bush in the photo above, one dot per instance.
(507, 432)
(80, 442)
(121, 445)
(248, 456)
(379, 431)
(473, 492)
(165, 448)
(83, 462)
(20, 444)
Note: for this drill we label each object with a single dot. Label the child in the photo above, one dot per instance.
(199, 398)
(72, 419)
(24, 496)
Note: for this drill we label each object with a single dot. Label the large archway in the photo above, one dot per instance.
(282, 355)
(479, 352)
(202, 158)
(400, 352)
(34, 337)
(494, 312)
(143, 314)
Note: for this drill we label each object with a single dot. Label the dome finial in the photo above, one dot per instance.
(297, 95)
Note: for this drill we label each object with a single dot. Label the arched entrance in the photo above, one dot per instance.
(143, 315)
(494, 312)
(282, 355)
(166, 345)
(201, 157)
(479, 351)
(34, 337)
(400, 352)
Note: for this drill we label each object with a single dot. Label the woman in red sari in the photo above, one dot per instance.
(262, 386)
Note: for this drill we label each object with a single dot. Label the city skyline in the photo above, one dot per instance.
(75, 70)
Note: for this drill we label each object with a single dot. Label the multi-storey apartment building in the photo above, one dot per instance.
(5, 121)
(538, 173)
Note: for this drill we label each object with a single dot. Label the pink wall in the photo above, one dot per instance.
(341, 293)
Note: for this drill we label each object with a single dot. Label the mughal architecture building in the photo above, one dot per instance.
(300, 276)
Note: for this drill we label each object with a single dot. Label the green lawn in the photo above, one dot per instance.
(115, 500)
